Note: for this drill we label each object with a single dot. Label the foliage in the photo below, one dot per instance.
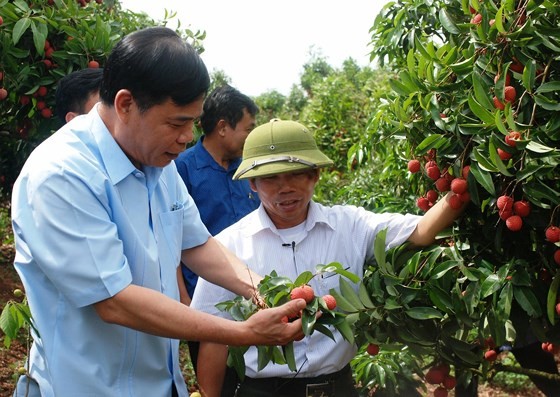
(485, 280)
(274, 291)
(42, 42)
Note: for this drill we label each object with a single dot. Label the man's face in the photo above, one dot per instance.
(157, 136)
(235, 137)
(286, 196)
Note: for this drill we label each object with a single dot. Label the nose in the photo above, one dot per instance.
(186, 135)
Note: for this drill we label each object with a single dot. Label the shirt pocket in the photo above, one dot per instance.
(172, 232)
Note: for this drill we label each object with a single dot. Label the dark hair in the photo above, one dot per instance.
(74, 89)
(154, 64)
(225, 103)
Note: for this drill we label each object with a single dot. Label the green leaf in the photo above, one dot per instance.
(364, 296)
(551, 299)
(481, 91)
(342, 302)
(484, 178)
(290, 356)
(423, 313)
(236, 360)
(379, 250)
(479, 111)
(548, 87)
(19, 29)
(263, 357)
(303, 278)
(527, 300)
(491, 284)
(348, 292)
(447, 22)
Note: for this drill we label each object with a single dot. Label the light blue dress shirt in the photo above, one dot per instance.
(87, 224)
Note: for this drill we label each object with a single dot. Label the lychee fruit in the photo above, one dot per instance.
(423, 203)
(303, 292)
(491, 355)
(433, 172)
(504, 155)
(435, 376)
(476, 19)
(557, 257)
(510, 94)
(432, 196)
(330, 301)
(498, 104)
(514, 223)
(522, 208)
(512, 138)
(414, 166)
(552, 234)
(3, 94)
(373, 349)
(459, 185)
(93, 64)
(443, 184)
(455, 201)
(440, 391)
(505, 203)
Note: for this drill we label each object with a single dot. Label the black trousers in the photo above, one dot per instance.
(338, 384)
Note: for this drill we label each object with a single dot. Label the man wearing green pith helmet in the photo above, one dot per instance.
(290, 233)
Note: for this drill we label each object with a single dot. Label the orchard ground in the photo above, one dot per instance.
(13, 358)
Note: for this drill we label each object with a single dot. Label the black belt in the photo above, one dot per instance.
(298, 385)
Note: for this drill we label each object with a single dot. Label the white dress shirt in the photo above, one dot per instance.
(342, 234)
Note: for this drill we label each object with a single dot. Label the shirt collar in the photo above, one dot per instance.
(117, 164)
(261, 221)
(204, 159)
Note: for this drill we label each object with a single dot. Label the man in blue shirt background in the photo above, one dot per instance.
(207, 168)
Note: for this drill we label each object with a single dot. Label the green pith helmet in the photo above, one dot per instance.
(277, 147)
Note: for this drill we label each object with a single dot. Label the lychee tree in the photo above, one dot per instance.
(42, 41)
(476, 100)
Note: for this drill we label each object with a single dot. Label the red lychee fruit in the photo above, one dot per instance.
(516, 66)
(510, 94)
(423, 203)
(498, 104)
(505, 214)
(435, 376)
(504, 155)
(443, 184)
(41, 105)
(504, 203)
(441, 392)
(46, 113)
(93, 64)
(522, 208)
(303, 292)
(42, 91)
(466, 171)
(330, 301)
(557, 257)
(557, 308)
(432, 196)
(3, 94)
(372, 349)
(491, 355)
(507, 79)
(24, 100)
(455, 201)
(512, 138)
(552, 234)
(464, 197)
(449, 382)
(476, 19)
(514, 223)
(414, 166)
(433, 172)
(459, 185)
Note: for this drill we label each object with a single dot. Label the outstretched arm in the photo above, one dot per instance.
(440, 216)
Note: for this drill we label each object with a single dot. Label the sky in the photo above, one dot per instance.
(262, 45)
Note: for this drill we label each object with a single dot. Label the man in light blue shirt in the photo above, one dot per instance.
(101, 221)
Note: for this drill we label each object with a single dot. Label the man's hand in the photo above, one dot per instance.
(266, 327)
